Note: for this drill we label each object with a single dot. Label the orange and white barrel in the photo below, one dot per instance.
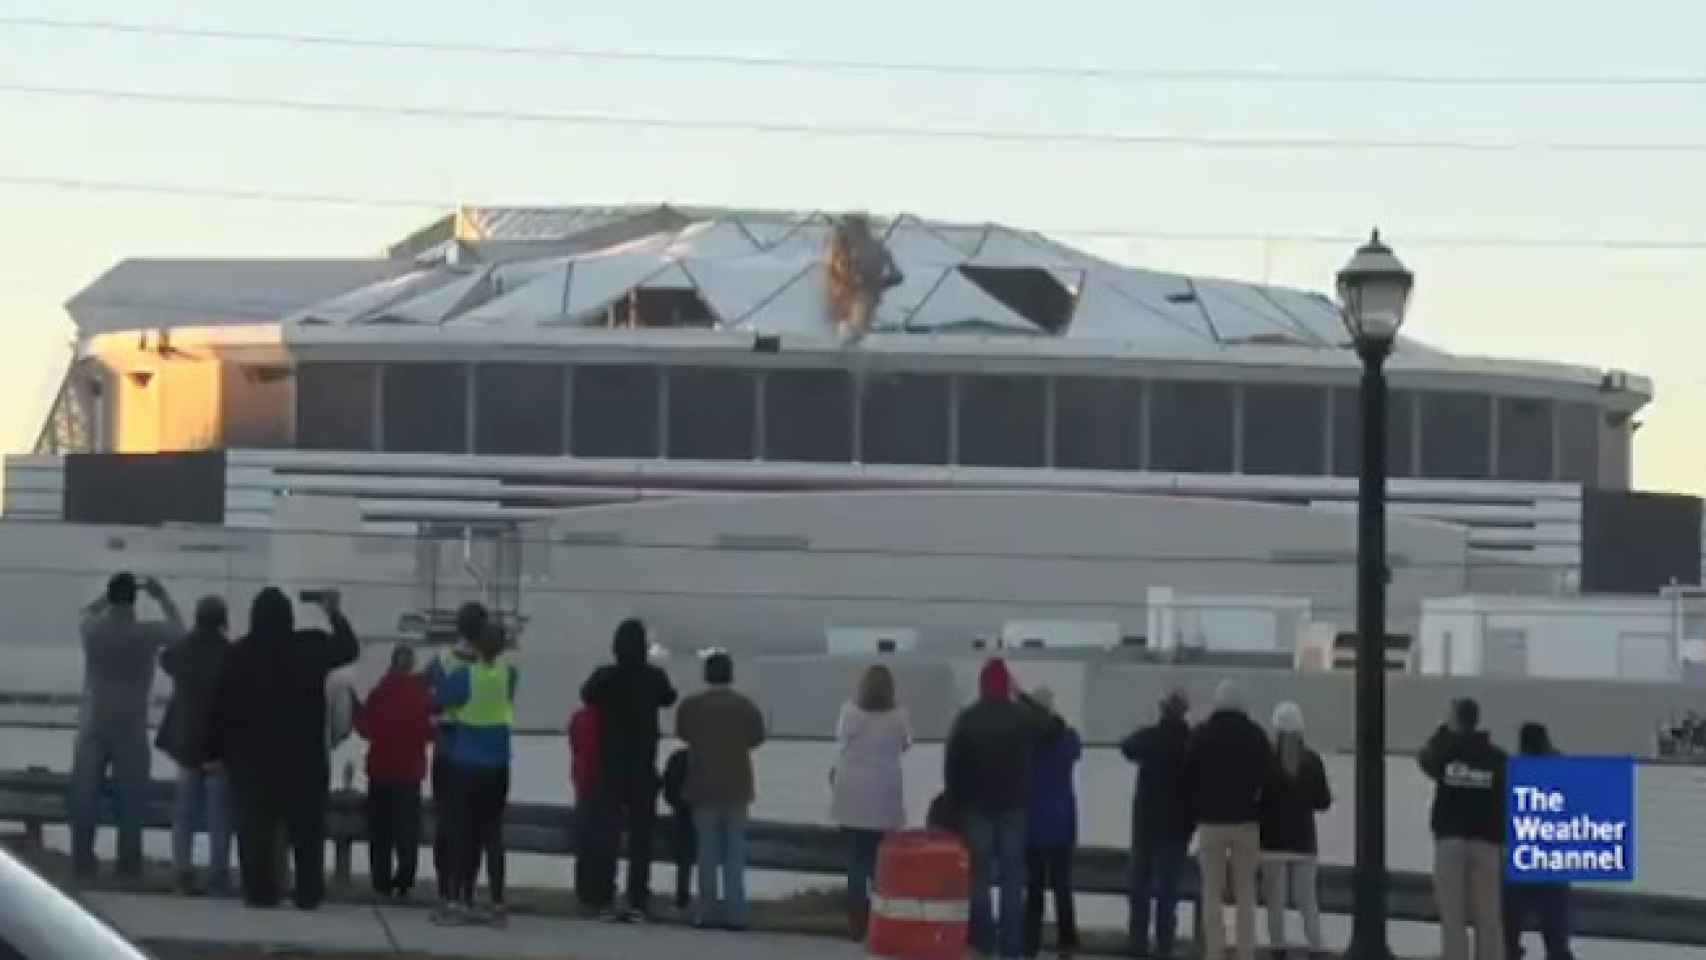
(922, 904)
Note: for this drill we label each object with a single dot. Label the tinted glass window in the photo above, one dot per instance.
(1525, 439)
(1456, 433)
(334, 406)
(1098, 423)
(1578, 443)
(906, 418)
(1190, 426)
(615, 412)
(712, 413)
(1347, 432)
(1002, 421)
(1285, 429)
(519, 409)
(808, 416)
(426, 407)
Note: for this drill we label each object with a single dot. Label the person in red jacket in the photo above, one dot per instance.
(396, 721)
(595, 857)
(584, 734)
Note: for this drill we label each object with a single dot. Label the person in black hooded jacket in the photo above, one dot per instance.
(628, 696)
(1226, 769)
(269, 730)
(1468, 822)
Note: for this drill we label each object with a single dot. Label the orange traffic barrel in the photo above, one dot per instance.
(923, 897)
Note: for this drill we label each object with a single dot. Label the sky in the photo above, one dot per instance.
(1632, 309)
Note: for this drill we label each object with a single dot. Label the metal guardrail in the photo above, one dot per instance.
(37, 797)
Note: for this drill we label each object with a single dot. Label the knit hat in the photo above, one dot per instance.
(1228, 696)
(995, 682)
(1288, 718)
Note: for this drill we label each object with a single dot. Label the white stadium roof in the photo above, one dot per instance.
(763, 272)
(512, 269)
(536, 276)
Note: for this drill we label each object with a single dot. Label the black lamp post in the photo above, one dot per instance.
(1374, 289)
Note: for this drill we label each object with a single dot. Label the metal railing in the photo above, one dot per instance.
(36, 798)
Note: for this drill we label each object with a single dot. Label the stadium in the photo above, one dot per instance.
(581, 413)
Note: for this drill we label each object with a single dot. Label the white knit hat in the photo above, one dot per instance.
(1228, 696)
(1288, 718)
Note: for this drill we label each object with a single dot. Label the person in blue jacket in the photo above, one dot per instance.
(1052, 827)
(479, 700)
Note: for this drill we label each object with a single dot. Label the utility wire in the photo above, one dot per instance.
(806, 129)
(219, 193)
(1175, 75)
(185, 191)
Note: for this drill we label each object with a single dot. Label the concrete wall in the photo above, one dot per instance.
(1582, 638)
(1612, 717)
(771, 573)
(802, 695)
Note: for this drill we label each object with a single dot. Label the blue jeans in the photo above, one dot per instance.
(203, 799)
(997, 844)
(862, 847)
(722, 854)
(1155, 870)
(128, 755)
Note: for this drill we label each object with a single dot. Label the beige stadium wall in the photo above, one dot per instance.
(189, 398)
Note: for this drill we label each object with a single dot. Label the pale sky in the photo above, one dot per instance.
(1632, 309)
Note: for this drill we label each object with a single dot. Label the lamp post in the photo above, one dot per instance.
(1374, 289)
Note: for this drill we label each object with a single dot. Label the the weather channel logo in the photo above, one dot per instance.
(1570, 819)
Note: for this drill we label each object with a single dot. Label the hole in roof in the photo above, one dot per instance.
(661, 307)
(1182, 296)
(1031, 292)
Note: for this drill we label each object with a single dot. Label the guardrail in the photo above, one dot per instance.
(37, 797)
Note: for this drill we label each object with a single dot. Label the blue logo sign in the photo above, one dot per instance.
(1570, 819)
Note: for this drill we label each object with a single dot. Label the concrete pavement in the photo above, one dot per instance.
(408, 930)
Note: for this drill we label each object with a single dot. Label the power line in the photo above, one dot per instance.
(219, 193)
(1180, 75)
(1112, 233)
(806, 129)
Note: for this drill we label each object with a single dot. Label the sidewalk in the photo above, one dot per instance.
(405, 930)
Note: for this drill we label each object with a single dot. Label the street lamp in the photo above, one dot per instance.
(1374, 289)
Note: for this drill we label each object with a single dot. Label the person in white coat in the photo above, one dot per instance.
(869, 796)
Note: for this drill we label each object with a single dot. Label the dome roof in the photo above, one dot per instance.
(764, 272)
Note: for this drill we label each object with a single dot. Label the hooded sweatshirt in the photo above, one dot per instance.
(118, 667)
(1226, 765)
(396, 721)
(987, 767)
(1469, 802)
(1053, 820)
(269, 721)
(1293, 798)
(1160, 814)
(628, 696)
(194, 664)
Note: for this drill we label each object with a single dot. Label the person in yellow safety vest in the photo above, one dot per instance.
(478, 701)
(471, 620)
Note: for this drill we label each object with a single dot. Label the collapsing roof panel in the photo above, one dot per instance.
(763, 271)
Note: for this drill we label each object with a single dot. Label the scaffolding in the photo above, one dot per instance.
(71, 425)
(458, 563)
